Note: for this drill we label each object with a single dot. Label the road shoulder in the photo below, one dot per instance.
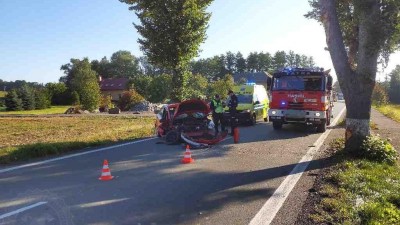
(296, 205)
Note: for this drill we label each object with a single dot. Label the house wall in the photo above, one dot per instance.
(115, 95)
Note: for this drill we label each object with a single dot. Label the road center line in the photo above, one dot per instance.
(269, 210)
(21, 210)
(73, 155)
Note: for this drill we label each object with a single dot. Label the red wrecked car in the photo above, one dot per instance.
(188, 122)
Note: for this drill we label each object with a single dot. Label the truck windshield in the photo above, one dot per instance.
(245, 99)
(298, 83)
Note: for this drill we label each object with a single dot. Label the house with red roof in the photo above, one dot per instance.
(114, 87)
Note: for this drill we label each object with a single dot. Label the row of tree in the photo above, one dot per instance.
(27, 98)
(123, 64)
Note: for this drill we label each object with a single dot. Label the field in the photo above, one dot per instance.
(29, 137)
(391, 111)
(51, 110)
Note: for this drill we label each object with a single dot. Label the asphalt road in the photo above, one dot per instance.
(227, 184)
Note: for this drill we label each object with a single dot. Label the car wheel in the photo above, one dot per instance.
(277, 125)
(253, 120)
(172, 137)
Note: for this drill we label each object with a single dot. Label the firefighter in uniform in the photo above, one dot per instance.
(217, 108)
(232, 104)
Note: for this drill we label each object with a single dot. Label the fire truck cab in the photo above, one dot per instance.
(301, 95)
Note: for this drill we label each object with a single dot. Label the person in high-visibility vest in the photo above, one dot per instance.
(217, 108)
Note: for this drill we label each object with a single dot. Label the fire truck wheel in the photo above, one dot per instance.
(277, 125)
(321, 128)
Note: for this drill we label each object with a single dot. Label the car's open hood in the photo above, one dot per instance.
(192, 106)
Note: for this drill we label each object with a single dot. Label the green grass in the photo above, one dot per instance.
(52, 110)
(2, 94)
(391, 111)
(23, 138)
(357, 191)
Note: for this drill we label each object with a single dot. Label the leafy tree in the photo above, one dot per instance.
(291, 59)
(42, 99)
(141, 84)
(129, 99)
(12, 101)
(221, 86)
(27, 95)
(264, 62)
(379, 95)
(149, 69)
(252, 62)
(172, 32)
(83, 80)
(124, 64)
(279, 60)
(336, 87)
(102, 67)
(240, 63)
(160, 88)
(230, 62)
(58, 93)
(358, 32)
(311, 62)
(75, 100)
(394, 88)
(197, 86)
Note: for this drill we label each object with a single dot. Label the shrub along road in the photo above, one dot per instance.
(227, 184)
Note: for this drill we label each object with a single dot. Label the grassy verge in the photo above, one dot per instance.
(51, 110)
(358, 191)
(391, 111)
(26, 138)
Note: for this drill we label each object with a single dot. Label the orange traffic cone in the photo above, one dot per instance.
(105, 173)
(236, 135)
(187, 158)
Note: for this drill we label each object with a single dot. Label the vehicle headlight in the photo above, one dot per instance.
(273, 112)
(318, 114)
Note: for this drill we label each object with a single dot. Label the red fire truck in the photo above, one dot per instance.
(301, 95)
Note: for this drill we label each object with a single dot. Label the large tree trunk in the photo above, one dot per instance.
(357, 85)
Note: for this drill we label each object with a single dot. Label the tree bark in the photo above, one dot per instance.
(357, 85)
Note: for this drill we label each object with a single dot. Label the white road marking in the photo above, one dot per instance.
(269, 210)
(21, 210)
(73, 155)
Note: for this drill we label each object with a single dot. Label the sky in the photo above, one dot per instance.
(38, 36)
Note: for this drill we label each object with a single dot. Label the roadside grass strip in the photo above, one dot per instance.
(392, 111)
(27, 138)
(51, 110)
(358, 191)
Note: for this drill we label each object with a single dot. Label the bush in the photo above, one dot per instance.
(105, 103)
(376, 149)
(129, 99)
(12, 101)
(379, 95)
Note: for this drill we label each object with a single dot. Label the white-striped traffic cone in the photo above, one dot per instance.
(187, 158)
(105, 173)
